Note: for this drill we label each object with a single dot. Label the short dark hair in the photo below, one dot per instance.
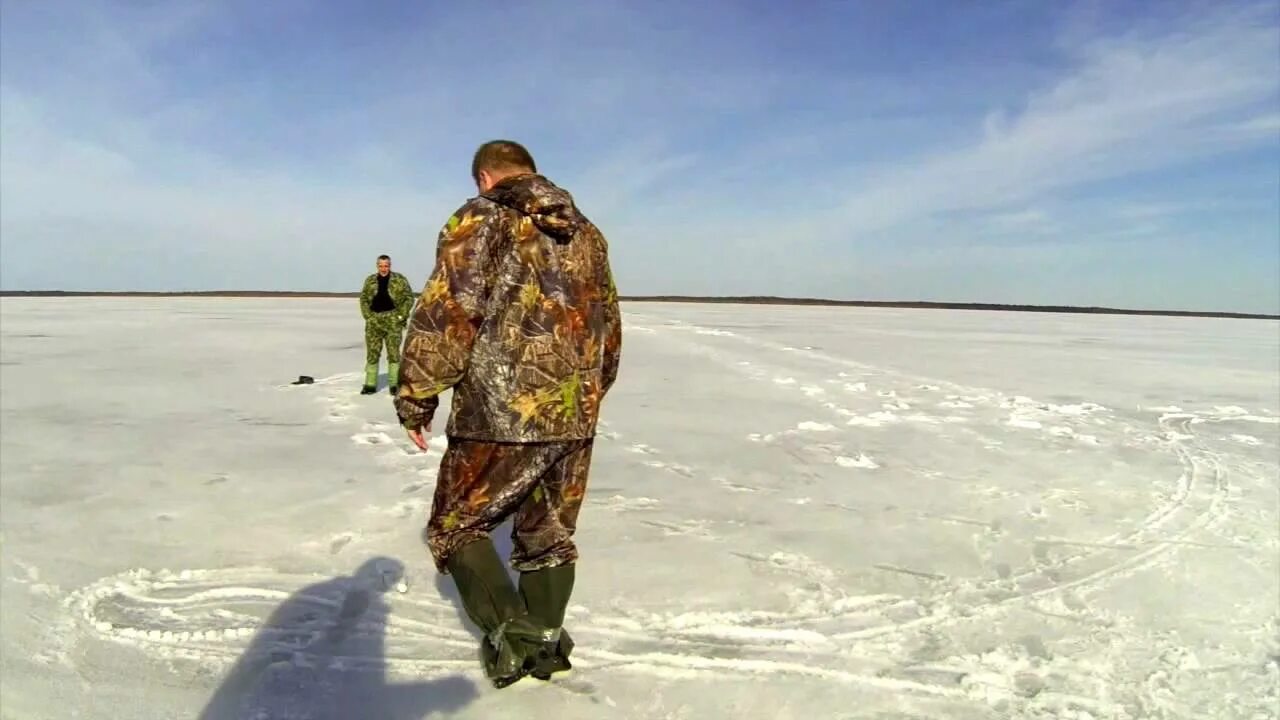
(385, 257)
(501, 156)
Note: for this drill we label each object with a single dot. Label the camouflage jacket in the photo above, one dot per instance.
(398, 287)
(520, 318)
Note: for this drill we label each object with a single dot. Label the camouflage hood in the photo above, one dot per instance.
(550, 207)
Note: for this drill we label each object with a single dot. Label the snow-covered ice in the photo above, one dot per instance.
(793, 513)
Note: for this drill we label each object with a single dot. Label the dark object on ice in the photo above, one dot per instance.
(368, 390)
(392, 390)
(304, 380)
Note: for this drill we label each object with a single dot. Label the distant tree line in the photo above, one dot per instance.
(740, 300)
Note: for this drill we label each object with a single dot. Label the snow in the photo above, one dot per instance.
(793, 513)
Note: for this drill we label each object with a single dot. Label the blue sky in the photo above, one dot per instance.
(1090, 153)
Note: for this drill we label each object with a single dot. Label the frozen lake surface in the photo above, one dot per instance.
(794, 513)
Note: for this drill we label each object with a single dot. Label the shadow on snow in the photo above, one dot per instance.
(321, 656)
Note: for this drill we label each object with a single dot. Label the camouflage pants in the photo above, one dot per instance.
(382, 330)
(482, 483)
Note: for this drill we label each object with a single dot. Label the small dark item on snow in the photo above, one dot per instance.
(304, 380)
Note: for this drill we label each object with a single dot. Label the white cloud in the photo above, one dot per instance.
(1131, 103)
(103, 167)
(1263, 127)
(1023, 221)
(107, 160)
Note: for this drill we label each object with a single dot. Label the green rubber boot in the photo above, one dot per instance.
(546, 595)
(393, 377)
(493, 604)
(514, 649)
(370, 380)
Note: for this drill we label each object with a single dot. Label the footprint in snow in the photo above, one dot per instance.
(735, 487)
(862, 462)
(339, 542)
(373, 438)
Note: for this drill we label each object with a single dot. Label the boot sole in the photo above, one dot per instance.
(505, 682)
(548, 664)
(502, 681)
(545, 675)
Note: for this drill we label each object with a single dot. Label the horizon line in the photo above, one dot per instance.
(709, 299)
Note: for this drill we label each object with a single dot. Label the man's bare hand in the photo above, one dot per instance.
(419, 436)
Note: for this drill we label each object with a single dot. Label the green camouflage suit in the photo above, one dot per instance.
(520, 317)
(384, 329)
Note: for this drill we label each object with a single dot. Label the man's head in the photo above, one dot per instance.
(499, 159)
(384, 264)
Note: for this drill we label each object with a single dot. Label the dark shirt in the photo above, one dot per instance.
(382, 302)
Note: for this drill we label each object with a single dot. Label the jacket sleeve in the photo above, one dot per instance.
(403, 299)
(366, 298)
(612, 331)
(450, 310)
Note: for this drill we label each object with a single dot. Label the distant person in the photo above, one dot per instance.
(520, 317)
(385, 302)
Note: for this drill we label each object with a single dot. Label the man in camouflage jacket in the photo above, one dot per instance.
(520, 319)
(385, 302)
